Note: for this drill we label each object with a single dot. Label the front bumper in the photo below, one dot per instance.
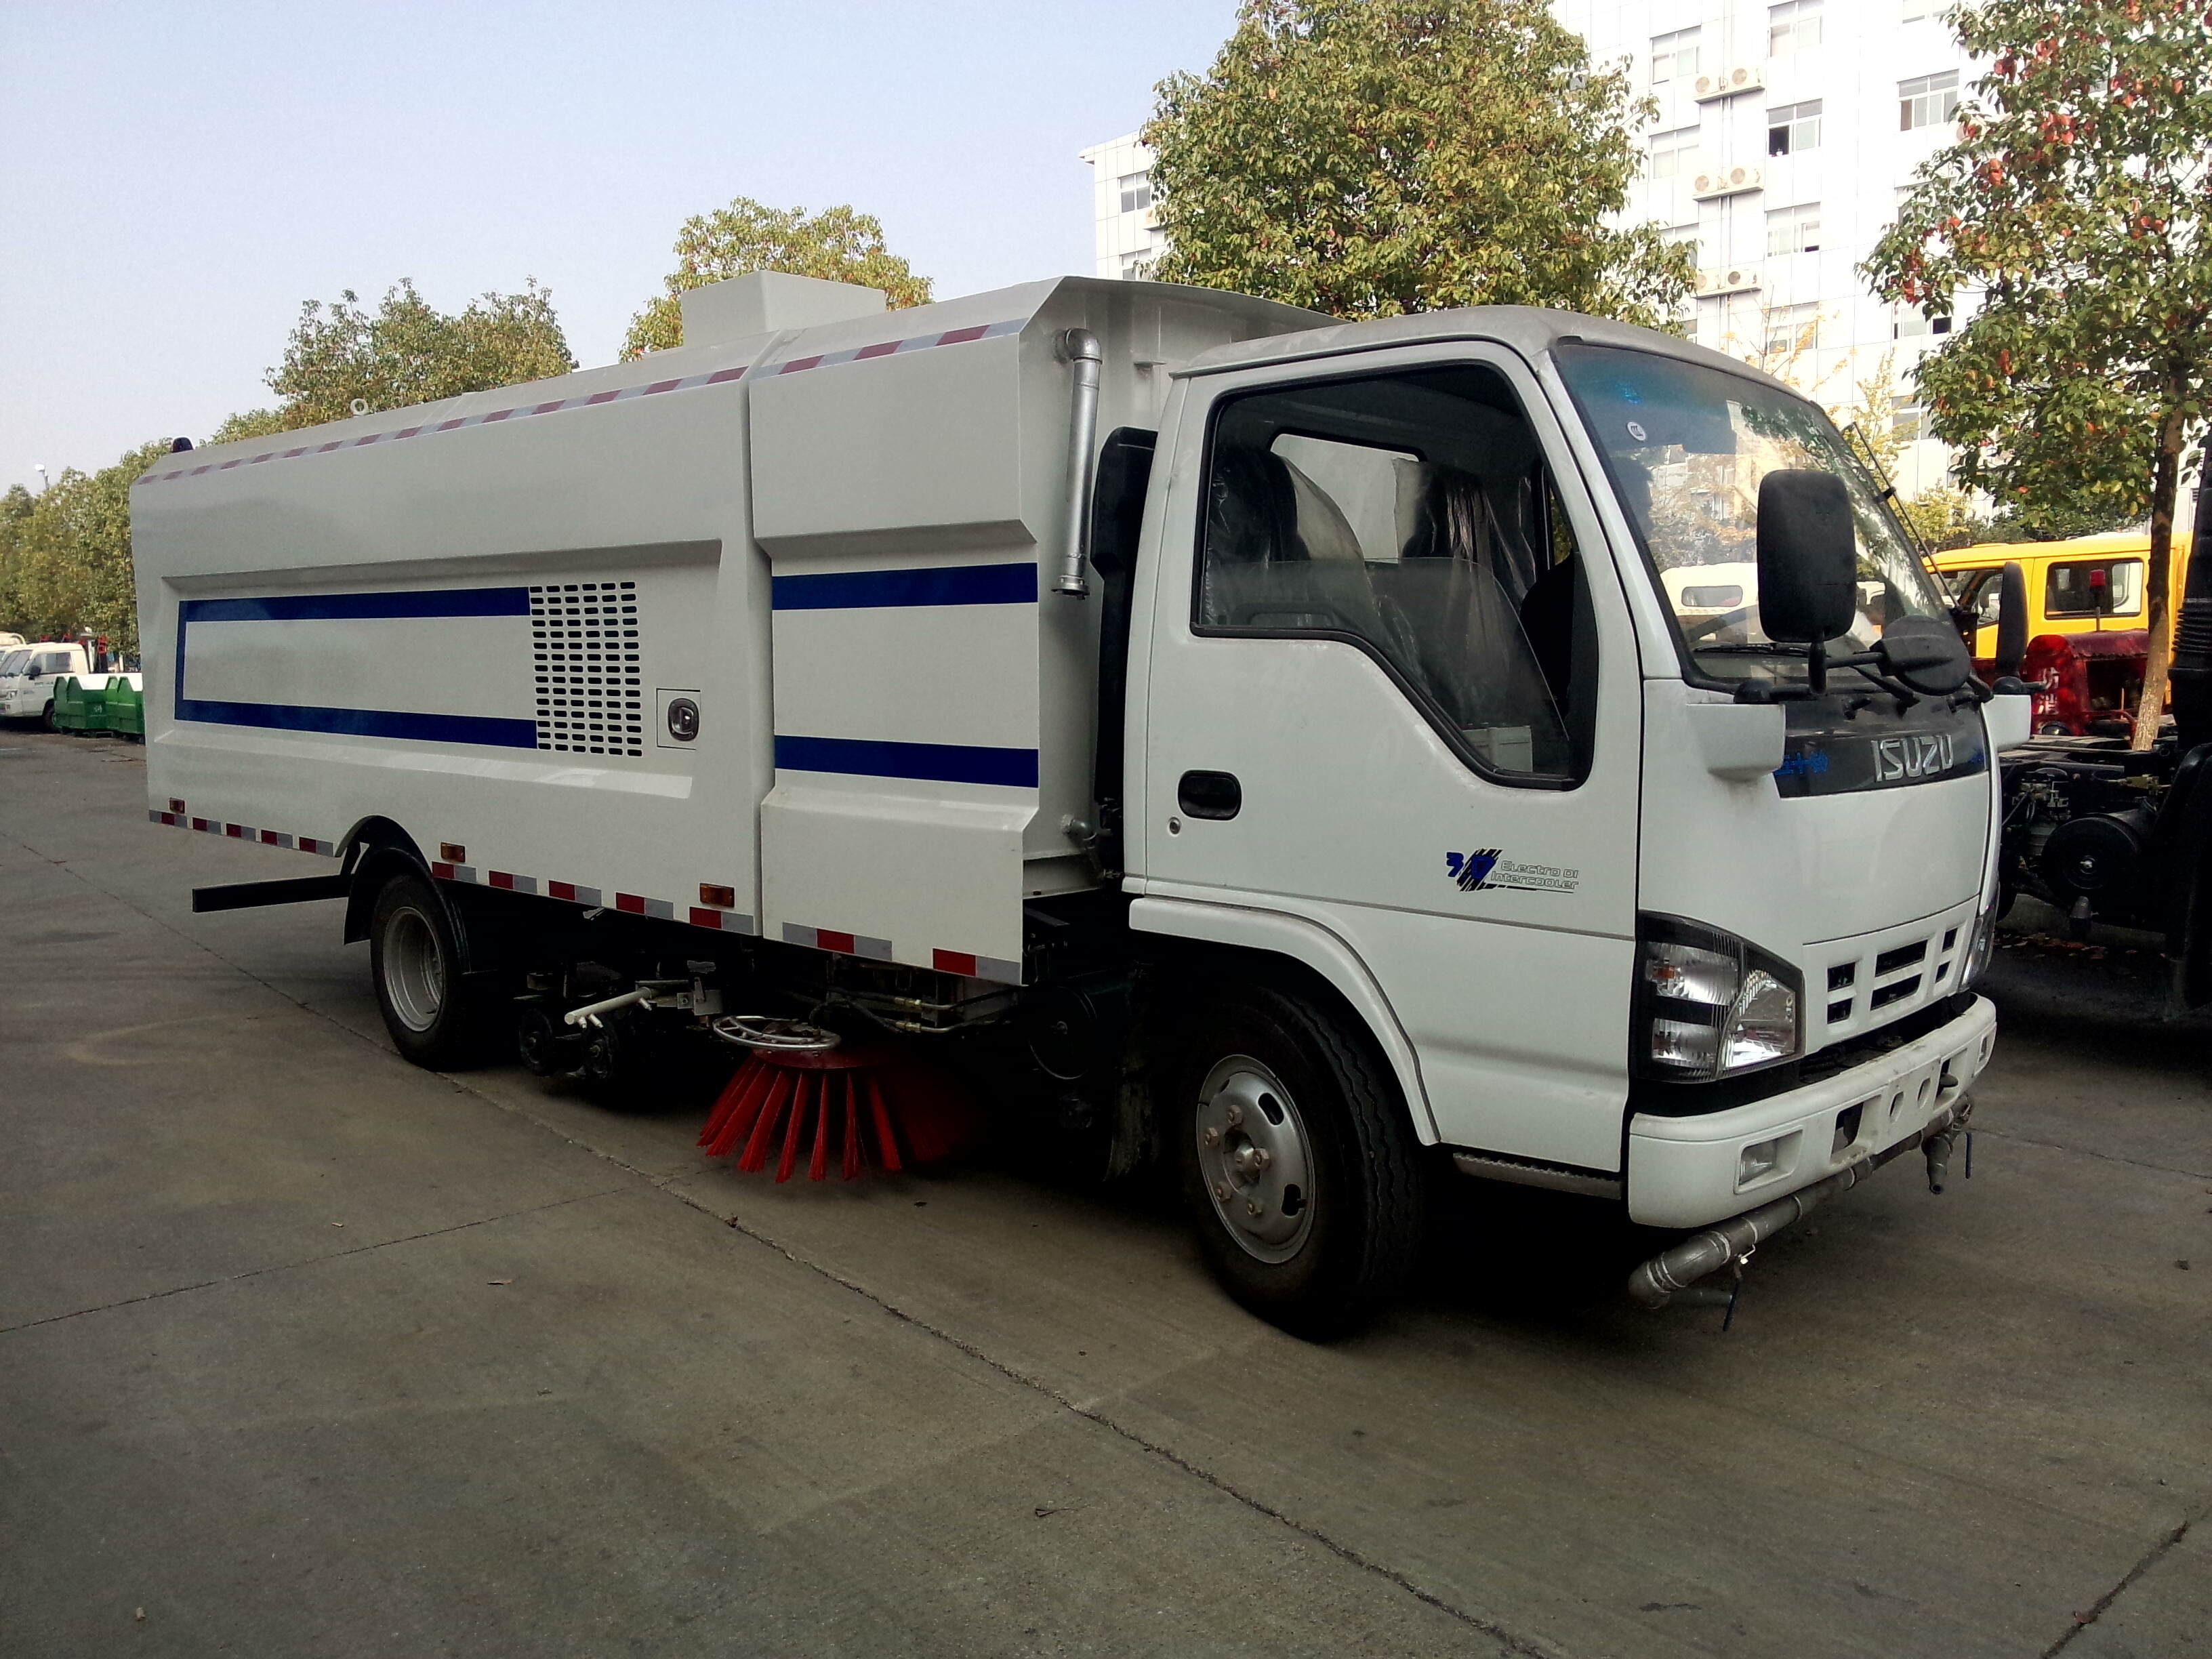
(1685, 1171)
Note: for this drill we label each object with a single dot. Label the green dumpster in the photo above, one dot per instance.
(78, 706)
(124, 712)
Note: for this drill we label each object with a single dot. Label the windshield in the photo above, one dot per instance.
(1686, 447)
(12, 663)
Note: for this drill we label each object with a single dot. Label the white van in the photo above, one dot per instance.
(29, 674)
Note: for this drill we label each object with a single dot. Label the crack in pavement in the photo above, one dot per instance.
(2083, 1620)
(305, 1261)
(2090, 1151)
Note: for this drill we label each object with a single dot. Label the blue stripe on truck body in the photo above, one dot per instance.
(863, 590)
(938, 762)
(483, 731)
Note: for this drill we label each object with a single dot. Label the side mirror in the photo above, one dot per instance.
(2012, 618)
(1924, 655)
(1807, 558)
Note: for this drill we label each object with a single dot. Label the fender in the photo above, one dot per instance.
(1313, 946)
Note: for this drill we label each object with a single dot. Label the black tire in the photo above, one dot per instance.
(1274, 1073)
(46, 720)
(414, 959)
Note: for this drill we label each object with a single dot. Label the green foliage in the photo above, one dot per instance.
(838, 245)
(407, 351)
(65, 554)
(2077, 197)
(1368, 158)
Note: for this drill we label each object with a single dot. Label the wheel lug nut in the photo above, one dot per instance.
(1254, 1208)
(1261, 1158)
(1221, 1191)
(1211, 1138)
(1235, 1115)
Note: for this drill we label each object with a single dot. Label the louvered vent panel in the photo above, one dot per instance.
(583, 636)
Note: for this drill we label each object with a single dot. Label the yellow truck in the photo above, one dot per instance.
(2090, 584)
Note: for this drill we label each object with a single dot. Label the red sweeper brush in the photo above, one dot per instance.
(804, 1091)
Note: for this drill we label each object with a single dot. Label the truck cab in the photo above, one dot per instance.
(1437, 695)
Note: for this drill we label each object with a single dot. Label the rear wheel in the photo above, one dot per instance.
(415, 958)
(1300, 1171)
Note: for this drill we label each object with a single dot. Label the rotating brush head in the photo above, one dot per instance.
(865, 1108)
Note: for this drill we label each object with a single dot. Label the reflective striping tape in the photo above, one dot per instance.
(890, 348)
(843, 944)
(177, 818)
(722, 922)
(461, 424)
(969, 965)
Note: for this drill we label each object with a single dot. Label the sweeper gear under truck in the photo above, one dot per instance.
(1287, 748)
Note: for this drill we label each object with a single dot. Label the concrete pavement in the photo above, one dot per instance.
(303, 1350)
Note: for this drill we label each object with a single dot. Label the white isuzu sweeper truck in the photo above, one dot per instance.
(1283, 736)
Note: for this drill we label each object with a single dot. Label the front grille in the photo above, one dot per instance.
(1893, 993)
(1903, 956)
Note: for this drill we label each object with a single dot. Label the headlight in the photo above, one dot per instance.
(1708, 1004)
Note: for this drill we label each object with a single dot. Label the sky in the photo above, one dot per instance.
(176, 179)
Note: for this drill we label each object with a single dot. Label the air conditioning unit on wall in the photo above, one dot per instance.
(1735, 279)
(1729, 82)
(1726, 181)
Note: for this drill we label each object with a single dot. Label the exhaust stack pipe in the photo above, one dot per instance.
(1079, 347)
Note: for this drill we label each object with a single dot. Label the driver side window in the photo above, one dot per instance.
(1411, 516)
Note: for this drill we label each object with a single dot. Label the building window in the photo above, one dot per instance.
(1791, 330)
(1682, 236)
(1793, 127)
(1794, 25)
(1911, 325)
(1673, 57)
(1138, 267)
(1909, 421)
(1793, 230)
(1671, 152)
(1927, 99)
(1136, 192)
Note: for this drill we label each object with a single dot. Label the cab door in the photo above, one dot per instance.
(1392, 690)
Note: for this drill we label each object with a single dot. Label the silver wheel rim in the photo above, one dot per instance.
(1256, 1159)
(414, 970)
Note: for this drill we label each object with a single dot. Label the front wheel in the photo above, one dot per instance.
(1300, 1171)
(414, 959)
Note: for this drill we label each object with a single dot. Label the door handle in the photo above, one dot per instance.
(1210, 794)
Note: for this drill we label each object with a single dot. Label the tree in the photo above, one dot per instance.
(2078, 199)
(65, 554)
(407, 351)
(839, 244)
(1368, 158)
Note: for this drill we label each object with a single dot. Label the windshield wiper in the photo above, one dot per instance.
(1769, 650)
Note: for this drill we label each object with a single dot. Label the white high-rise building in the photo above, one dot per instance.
(1121, 194)
(1786, 135)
